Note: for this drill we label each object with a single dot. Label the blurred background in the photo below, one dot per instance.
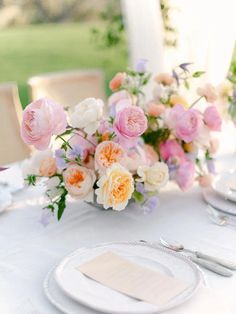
(42, 36)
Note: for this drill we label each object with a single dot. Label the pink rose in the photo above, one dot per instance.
(212, 118)
(42, 119)
(116, 97)
(117, 81)
(173, 115)
(130, 122)
(188, 125)
(171, 151)
(155, 110)
(151, 154)
(136, 157)
(185, 175)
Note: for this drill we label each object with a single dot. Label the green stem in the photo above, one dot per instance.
(59, 136)
(196, 101)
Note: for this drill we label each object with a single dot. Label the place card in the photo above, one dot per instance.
(134, 280)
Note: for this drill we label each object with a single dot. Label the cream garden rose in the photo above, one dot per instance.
(115, 187)
(154, 177)
(87, 115)
(79, 182)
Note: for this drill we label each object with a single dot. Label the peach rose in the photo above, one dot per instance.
(42, 119)
(205, 180)
(155, 110)
(48, 167)
(209, 92)
(115, 188)
(165, 79)
(117, 81)
(108, 153)
(79, 182)
(178, 100)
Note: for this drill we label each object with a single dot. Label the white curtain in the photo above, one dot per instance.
(206, 34)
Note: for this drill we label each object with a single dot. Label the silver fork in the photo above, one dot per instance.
(221, 219)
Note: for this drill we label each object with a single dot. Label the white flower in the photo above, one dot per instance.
(154, 177)
(115, 187)
(87, 115)
(32, 165)
(52, 189)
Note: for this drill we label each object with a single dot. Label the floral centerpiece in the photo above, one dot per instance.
(128, 149)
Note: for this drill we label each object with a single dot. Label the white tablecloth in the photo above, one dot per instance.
(28, 250)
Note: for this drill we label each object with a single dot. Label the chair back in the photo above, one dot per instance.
(12, 147)
(68, 87)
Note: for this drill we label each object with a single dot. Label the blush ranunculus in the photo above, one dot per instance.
(79, 182)
(48, 167)
(188, 125)
(172, 152)
(117, 81)
(108, 153)
(209, 92)
(205, 180)
(165, 79)
(155, 110)
(185, 175)
(115, 188)
(212, 118)
(42, 119)
(130, 122)
(151, 154)
(136, 156)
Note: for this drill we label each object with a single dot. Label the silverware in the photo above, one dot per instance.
(216, 268)
(220, 218)
(178, 247)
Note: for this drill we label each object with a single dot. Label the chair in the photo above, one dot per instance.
(68, 87)
(12, 147)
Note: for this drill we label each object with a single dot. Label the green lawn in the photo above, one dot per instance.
(31, 50)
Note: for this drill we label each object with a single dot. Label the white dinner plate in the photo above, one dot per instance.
(103, 299)
(218, 202)
(221, 185)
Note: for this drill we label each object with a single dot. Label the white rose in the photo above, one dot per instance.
(52, 188)
(87, 115)
(154, 177)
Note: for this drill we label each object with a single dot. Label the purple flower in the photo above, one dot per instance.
(184, 66)
(175, 76)
(211, 166)
(141, 65)
(151, 204)
(140, 187)
(46, 218)
(75, 152)
(60, 158)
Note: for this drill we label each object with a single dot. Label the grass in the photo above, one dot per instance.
(30, 50)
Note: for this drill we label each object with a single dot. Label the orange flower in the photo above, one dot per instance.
(79, 182)
(48, 167)
(117, 81)
(165, 79)
(108, 153)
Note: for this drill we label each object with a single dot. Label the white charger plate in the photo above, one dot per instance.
(221, 185)
(103, 299)
(218, 202)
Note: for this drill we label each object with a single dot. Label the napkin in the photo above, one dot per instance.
(132, 279)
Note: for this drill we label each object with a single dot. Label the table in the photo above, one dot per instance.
(28, 250)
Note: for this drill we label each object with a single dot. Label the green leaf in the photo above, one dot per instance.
(61, 204)
(31, 179)
(186, 84)
(138, 197)
(198, 73)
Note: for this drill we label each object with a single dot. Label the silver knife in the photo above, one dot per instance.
(220, 270)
